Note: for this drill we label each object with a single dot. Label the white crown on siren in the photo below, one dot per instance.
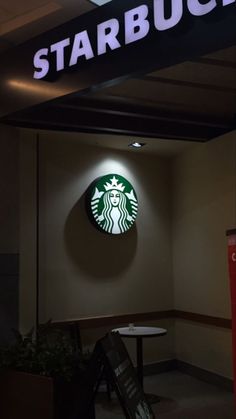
(114, 185)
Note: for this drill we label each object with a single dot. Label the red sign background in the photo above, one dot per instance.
(232, 274)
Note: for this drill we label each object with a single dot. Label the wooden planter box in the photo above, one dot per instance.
(29, 396)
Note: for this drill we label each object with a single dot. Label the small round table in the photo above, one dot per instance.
(140, 332)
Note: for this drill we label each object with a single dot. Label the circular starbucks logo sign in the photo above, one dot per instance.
(113, 204)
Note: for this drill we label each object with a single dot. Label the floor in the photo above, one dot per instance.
(182, 397)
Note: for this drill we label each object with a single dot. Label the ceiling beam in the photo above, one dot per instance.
(185, 83)
(92, 115)
(215, 62)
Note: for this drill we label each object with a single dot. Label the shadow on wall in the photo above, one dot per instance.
(97, 253)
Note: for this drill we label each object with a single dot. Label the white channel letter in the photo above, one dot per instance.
(162, 23)
(81, 46)
(136, 24)
(41, 64)
(226, 2)
(199, 9)
(59, 47)
(107, 35)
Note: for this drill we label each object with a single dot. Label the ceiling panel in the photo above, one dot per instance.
(228, 54)
(175, 97)
(21, 6)
(21, 21)
(200, 73)
(5, 15)
(82, 6)
(36, 17)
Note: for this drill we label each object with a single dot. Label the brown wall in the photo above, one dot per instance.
(9, 222)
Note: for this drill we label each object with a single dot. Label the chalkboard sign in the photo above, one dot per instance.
(123, 377)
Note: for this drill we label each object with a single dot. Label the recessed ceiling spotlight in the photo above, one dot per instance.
(100, 2)
(136, 145)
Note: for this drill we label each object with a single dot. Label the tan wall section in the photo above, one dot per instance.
(205, 347)
(27, 230)
(85, 272)
(204, 190)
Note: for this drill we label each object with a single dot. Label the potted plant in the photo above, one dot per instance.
(42, 376)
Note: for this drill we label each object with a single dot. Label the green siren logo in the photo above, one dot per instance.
(114, 204)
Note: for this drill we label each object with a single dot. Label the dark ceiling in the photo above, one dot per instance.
(194, 100)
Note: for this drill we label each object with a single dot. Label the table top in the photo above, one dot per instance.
(140, 331)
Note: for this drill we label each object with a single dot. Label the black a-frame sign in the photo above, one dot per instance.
(124, 378)
(110, 355)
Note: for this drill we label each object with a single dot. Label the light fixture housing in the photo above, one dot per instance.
(99, 2)
(136, 144)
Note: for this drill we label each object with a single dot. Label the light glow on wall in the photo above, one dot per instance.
(110, 165)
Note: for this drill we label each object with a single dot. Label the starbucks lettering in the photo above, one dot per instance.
(112, 204)
(106, 36)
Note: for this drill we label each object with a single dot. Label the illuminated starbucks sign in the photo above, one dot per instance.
(83, 44)
(113, 204)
